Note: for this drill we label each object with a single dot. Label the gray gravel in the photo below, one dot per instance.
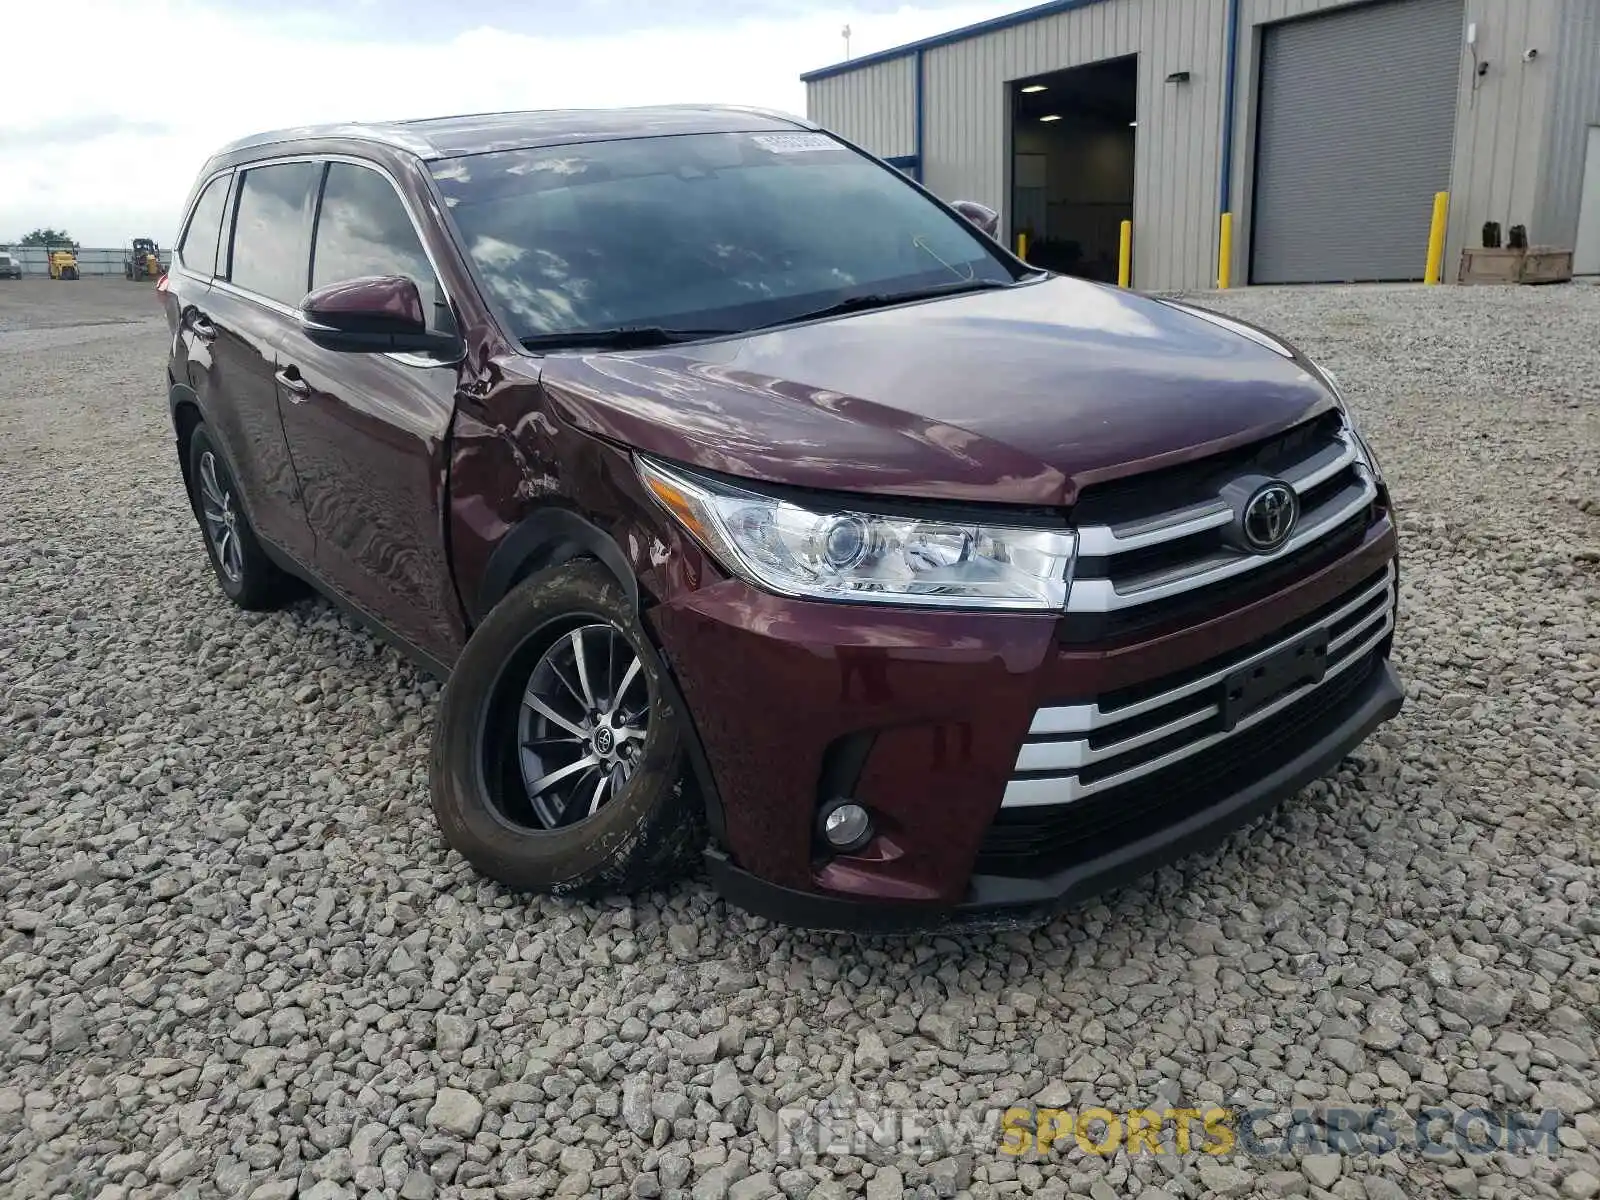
(235, 961)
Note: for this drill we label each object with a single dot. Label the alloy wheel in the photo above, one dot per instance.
(582, 725)
(221, 516)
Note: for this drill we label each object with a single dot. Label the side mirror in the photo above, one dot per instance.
(380, 314)
(981, 215)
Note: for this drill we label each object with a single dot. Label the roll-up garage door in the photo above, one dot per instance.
(1356, 118)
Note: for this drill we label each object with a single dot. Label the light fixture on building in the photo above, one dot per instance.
(1051, 117)
(1133, 124)
(1036, 87)
(1178, 77)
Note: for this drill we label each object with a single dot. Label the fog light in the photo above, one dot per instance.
(846, 826)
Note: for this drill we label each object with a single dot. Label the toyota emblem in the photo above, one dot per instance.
(1269, 517)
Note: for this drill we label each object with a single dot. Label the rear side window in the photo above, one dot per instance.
(363, 229)
(197, 249)
(272, 230)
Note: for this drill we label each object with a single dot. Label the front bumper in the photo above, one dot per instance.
(921, 715)
(1000, 901)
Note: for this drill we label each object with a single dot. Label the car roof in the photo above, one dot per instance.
(479, 133)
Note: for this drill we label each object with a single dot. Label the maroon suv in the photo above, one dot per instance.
(758, 505)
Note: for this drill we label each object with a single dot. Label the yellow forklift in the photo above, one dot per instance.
(144, 262)
(63, 259)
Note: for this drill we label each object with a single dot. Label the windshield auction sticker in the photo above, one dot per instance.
(794, 143)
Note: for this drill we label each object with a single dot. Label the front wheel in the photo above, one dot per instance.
(558, 761)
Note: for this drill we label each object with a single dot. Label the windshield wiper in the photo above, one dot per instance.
(623, 337)
(871, 300)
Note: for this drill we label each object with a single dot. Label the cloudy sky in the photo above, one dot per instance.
(109, 107)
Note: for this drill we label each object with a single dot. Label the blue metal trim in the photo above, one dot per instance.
(916, 99)
(993, 25)
(1228, 100)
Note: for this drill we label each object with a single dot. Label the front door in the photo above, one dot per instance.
(369, 432)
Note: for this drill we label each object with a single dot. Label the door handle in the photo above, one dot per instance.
(297, 387)
(203, 329)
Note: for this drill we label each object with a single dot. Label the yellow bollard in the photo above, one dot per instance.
(1441, 210)
(1225, 253)
(1022, 246)
(1125, 256)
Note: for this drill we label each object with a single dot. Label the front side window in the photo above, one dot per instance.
(197, 249)
(363, 229)
(272, 230)
(702, 231)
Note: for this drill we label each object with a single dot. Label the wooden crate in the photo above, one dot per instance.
(1537, 264)
(1546, 264)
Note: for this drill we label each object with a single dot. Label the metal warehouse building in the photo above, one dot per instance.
(1324, 126)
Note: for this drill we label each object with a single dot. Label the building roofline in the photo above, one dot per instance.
(992, 25)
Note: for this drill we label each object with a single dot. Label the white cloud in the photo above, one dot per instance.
(109, 147)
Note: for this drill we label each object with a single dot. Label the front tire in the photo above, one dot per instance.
(246, 575)
(558, 762)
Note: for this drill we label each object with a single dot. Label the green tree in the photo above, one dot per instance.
(46, 237)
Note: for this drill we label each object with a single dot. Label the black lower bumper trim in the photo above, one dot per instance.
(1003, 901)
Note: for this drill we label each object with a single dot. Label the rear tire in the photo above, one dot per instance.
(485, 795)
(246, 575)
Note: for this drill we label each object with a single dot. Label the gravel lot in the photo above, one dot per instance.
(236, 961)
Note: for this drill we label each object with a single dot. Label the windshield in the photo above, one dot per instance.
(722, 231)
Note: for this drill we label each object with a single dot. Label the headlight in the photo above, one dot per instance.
(846, 554)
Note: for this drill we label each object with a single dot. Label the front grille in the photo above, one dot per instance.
(1147, 544)
(1029, 842)
(1144, 497)
(1240, 591)
(1077, 751)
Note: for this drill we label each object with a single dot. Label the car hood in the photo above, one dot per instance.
(1020, 396)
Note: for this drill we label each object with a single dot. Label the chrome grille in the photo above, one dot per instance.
(1141, 557)
(1077, 750)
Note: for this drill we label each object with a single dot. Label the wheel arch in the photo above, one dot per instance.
(554, 536)
(543, 540)
(184, 407)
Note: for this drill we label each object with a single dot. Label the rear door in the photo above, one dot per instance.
(368, 432)
(261, 277)
(194, 263)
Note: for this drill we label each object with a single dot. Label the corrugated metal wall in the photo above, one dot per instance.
(873, 107)
(1518, 155)
(1500, 124)
(1575, 61)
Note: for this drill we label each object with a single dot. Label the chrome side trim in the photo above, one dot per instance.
(1102, 595)
(1066, 789)
(1085, 718)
